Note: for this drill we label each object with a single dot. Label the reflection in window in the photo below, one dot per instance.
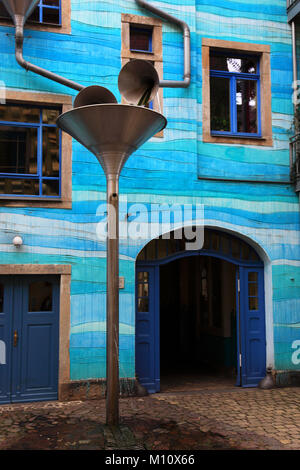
(234, 95)
(246, 102)
(30, 151)
(220, 104)
(40, 297)
(253, 290)
(143, 291)
(143, 305)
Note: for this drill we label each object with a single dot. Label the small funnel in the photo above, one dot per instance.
(138, 82)
(20, 10)
(94, 94)
(112, 132)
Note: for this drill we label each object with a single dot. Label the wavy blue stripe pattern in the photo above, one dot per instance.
(164, 169)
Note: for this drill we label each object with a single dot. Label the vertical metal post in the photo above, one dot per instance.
(112, 313)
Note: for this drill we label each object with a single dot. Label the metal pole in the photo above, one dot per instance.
(112, 334)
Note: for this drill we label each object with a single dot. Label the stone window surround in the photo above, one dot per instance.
(65, 27)
(265, 79)
(64, 271)
(65, 201)
(154, 56)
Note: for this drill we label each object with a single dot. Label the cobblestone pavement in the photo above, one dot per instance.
(230, 418)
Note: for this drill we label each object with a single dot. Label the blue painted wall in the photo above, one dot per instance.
(164, 170)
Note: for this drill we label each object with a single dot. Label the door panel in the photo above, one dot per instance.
(147, 329)
(33, 339)
(5, 337)
(252, 326)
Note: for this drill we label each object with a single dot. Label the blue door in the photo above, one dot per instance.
(29, 323)
(252, 344)
(147, 327)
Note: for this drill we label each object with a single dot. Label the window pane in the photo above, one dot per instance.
(35, 15)
(246, 103)
(236, 248)
(50, 187)
(253, 277)
(3, 11)
(215, 239)
(233, 64)
(143, 305)
(50, 151)
(253, 303)
(50, 16)
(40, 297)
(220, 104)
(143, 290)
(140, 39)
(143, 276)
(50, 116)
(1, 297)
(54, 3)
(253, 289)
(18, 150)
(16, 186)
(245, 251)
(162, 248)
(19, 114)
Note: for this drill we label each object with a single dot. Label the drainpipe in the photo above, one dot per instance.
(186, 44)
(295, 165)
(19, 24)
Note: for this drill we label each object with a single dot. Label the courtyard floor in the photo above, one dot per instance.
(183, 417)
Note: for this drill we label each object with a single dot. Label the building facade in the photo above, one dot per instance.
(224, 160)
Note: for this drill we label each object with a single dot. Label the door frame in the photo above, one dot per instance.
(64, 272)
(202, 252)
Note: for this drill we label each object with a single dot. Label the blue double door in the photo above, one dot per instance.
(29, 338)
(251, 336)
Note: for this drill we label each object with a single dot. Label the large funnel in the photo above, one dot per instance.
(20, 10)
(112, 132)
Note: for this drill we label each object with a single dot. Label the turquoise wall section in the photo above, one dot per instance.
(164, 170)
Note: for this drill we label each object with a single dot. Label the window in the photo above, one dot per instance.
(46, 12)
(35, 157)
(49, 15)
(29, 151)
(142, 39)
(234, 94)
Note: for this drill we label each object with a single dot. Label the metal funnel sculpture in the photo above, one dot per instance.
(20, 10)
(112, 132)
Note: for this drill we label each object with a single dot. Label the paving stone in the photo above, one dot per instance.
(188, 419)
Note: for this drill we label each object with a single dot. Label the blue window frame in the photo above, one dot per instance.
(140, 39)
(46, 12)
(235, 95)
(30, 152)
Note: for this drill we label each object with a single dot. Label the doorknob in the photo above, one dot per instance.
(16, 337)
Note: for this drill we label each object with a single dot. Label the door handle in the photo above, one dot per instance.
(16, 337)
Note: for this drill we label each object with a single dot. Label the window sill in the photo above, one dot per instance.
(242, 140)
(41, 202)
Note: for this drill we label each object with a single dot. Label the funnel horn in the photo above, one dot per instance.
(20, 10)
(138, 82)
(94, 94)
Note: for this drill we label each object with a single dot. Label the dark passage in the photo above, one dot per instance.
(197, 322)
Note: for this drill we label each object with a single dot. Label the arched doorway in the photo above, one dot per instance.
(200, 308)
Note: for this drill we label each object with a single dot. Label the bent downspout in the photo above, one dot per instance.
(19, 24)
(186, 44)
